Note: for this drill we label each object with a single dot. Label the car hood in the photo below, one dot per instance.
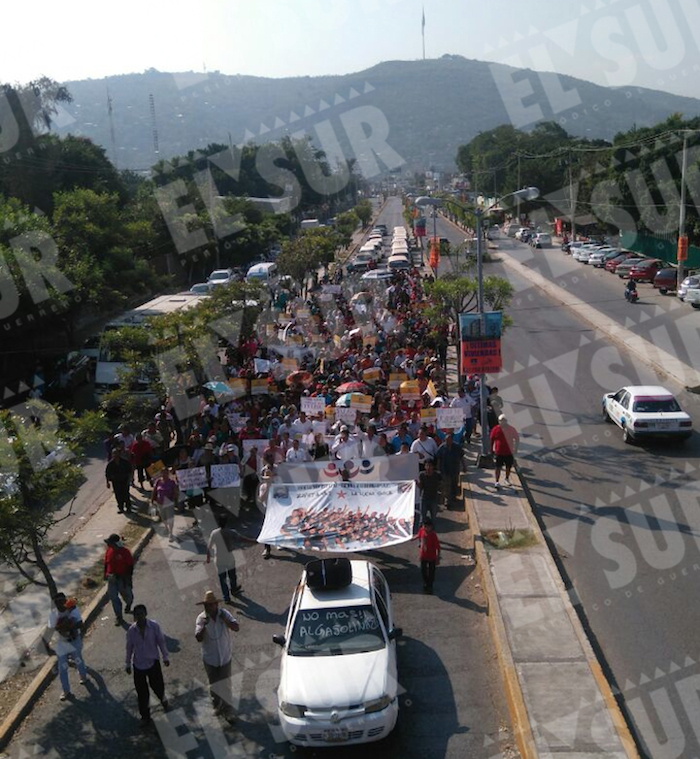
(320, 682)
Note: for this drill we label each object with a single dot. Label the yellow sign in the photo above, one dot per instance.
(373, 374)
(410, 390)
(395, 380)
(155, 469)
(428, 415)
(238, 386)
(259, 387)
(290, 364)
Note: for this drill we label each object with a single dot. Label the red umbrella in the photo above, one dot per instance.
(351, 387)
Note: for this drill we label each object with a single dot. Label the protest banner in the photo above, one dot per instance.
(340, 516)
(259, 443)
(259, 387)
(450, 418)
(239, 387)
(396, 378)
(313, 406)
(262, 365)
(347, 415)
(225, 476)
(189, 479)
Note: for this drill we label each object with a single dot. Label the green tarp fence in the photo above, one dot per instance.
(656, 247)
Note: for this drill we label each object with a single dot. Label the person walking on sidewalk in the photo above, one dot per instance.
(213, 630)
(141, 456)
(504, 442)
(119, 570)
(428, 553)
(65, 620)
(118, 476)
(145, 644)
(449, 459)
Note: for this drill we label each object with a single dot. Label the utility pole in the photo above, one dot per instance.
(572, 202)
(682, 240)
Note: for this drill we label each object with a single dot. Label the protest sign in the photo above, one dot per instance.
(450, 418)
(313, 406)
(225, 476)
(189, 479)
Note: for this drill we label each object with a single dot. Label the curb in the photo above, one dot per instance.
(48, 671)
(522, 731)
(522, 728)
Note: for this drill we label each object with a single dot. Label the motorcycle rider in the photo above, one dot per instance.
(631, 290)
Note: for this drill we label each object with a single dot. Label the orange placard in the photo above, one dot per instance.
(683, 248)
(481, 356)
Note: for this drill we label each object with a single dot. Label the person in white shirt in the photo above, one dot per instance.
(467, 404)
(296, 454)
(424, 446)
(213, 630)
(301, 426)
(344, 447)
(369, 443)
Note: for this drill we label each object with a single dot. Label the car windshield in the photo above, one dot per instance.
(328, 632)
(655, 405)
(219, 275)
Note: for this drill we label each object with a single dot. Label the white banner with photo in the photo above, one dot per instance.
(377, 469)
(339, 517)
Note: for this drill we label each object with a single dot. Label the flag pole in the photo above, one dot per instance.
(423, 31)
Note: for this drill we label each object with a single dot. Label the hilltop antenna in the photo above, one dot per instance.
(111, 129)
(153, 123)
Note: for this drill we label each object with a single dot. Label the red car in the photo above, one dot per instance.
(665, 280)
(646, 270)
(615, 262)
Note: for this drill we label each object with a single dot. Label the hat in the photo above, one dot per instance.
(502, 418)
(113, 538)
(208, 447)
(209, 598)
(345, 428)
(231, 448)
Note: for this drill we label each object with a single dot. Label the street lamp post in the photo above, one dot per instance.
(527, 193)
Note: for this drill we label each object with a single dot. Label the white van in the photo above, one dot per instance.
(398, 262)
(265, 273)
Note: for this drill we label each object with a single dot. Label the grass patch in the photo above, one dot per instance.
(510, 538)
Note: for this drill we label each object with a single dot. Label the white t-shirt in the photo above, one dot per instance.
(296, 456)
(62, 645)
(426, 449)
(216, 643)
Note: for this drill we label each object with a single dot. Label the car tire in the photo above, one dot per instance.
(627, 435)
(606, 416)
(695, 305)
(663, 290)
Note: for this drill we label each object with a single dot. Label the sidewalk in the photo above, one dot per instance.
(560, 701)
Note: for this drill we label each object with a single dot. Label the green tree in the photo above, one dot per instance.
(364, 212)
(40, 448)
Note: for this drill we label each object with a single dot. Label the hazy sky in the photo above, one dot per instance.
(647, 43)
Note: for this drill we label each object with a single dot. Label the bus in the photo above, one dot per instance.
(109, 362)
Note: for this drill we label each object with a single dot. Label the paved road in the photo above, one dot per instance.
(625, 520)
(452, 705)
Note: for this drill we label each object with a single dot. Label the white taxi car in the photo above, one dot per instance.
(338, 678)
(646, 412)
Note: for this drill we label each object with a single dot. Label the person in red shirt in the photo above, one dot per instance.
(141, 456)
(119, 568)
(504, 443)
(428, 553)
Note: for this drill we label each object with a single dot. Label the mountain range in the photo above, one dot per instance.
(428, 107)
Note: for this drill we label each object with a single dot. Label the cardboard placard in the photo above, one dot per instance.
(259, 387)
(450, 418)
(313, 406)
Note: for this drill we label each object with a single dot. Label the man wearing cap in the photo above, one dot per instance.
(145, 644)
(344, 447)
(65, 619)
(118, 571)
(212, 631)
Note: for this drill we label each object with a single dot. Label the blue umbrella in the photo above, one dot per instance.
(220, 389)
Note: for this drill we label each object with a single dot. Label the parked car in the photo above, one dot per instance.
(613, 263)
(511, 229)
(542, 240)
(201, 288)
(644, 271)
(522, 231)
(338, 671)
(493, 233)
(599, 258)
(646, 412)
(665, 280)
(91, 349)
(623, 270)
(221, 277)
(361, 262)
(583, 253)
(692, 296)
(69, 372)
(692, 281)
